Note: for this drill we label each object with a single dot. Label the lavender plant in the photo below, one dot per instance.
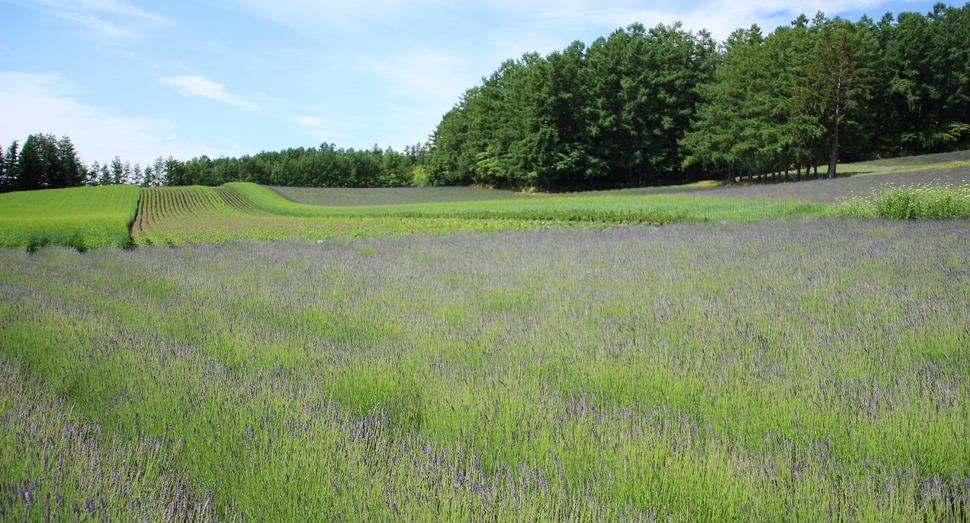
(803, 370)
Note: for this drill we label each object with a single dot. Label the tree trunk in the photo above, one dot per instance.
(834, 158)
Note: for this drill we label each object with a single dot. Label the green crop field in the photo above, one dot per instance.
(391, 196)
(183, 215)
(759, 357)
(82, 217)
(586, 207)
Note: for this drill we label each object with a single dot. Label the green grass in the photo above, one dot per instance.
(907, 163)
(934, 202)
(363, 366)
(97, 216)
(588, 207)
(82, 217)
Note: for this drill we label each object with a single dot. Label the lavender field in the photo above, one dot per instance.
(832, 191)
(801, 369)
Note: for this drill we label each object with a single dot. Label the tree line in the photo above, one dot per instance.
(48, 162)
(664, 105)
(639, 107)
(323, 166)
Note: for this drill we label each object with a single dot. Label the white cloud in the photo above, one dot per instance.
(308, 121)
(200, 86)
(329, 134)
(318, 127)
(83, 13)
(36, 103)
(116, 7)
(546, 16)
(105, 27)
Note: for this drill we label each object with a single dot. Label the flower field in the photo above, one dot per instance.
(806, 369)
(781, 353)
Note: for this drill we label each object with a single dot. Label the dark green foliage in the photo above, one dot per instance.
(662, 105)
(44, 162)
(324, 166)
(604, 116)
(8, 167)
(790, 99)
(925, 81)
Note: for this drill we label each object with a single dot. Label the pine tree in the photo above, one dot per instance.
(31, 174)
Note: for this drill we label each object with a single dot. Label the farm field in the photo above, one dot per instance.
(182, 215)
(98, 216)
(83, 217)
(780, 361)
(806, 369)
(829, 192)
(337, 197)
(577, 207)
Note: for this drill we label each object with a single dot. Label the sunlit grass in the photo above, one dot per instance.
(81, 217)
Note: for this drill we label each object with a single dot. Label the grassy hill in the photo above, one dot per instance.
(81, 217)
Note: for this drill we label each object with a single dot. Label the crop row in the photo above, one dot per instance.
(183, 215)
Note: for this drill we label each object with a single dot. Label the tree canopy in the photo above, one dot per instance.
(660, 105)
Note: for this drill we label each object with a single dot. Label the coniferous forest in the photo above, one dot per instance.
(642, 106)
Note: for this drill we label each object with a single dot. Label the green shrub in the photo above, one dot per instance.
(911, 202)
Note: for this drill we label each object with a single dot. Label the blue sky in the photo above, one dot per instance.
(142, 79)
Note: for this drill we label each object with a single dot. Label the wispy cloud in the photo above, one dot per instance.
(105, 27)
(308, 121)
(116, 7)
(200, 86)
(318, 127)
(543, 16)
(90, 14)
(44, 103)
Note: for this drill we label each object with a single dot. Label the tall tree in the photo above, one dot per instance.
(68, 171)
(732, 117)
(8, 182)
(834, 83)
(118, 174)
(31, 169)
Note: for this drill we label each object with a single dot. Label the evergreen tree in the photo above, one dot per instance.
(31, 171)
(92, 177)
(8, 182)
(118, 174)
(732, 118)
(70, 172)
(836, 80)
